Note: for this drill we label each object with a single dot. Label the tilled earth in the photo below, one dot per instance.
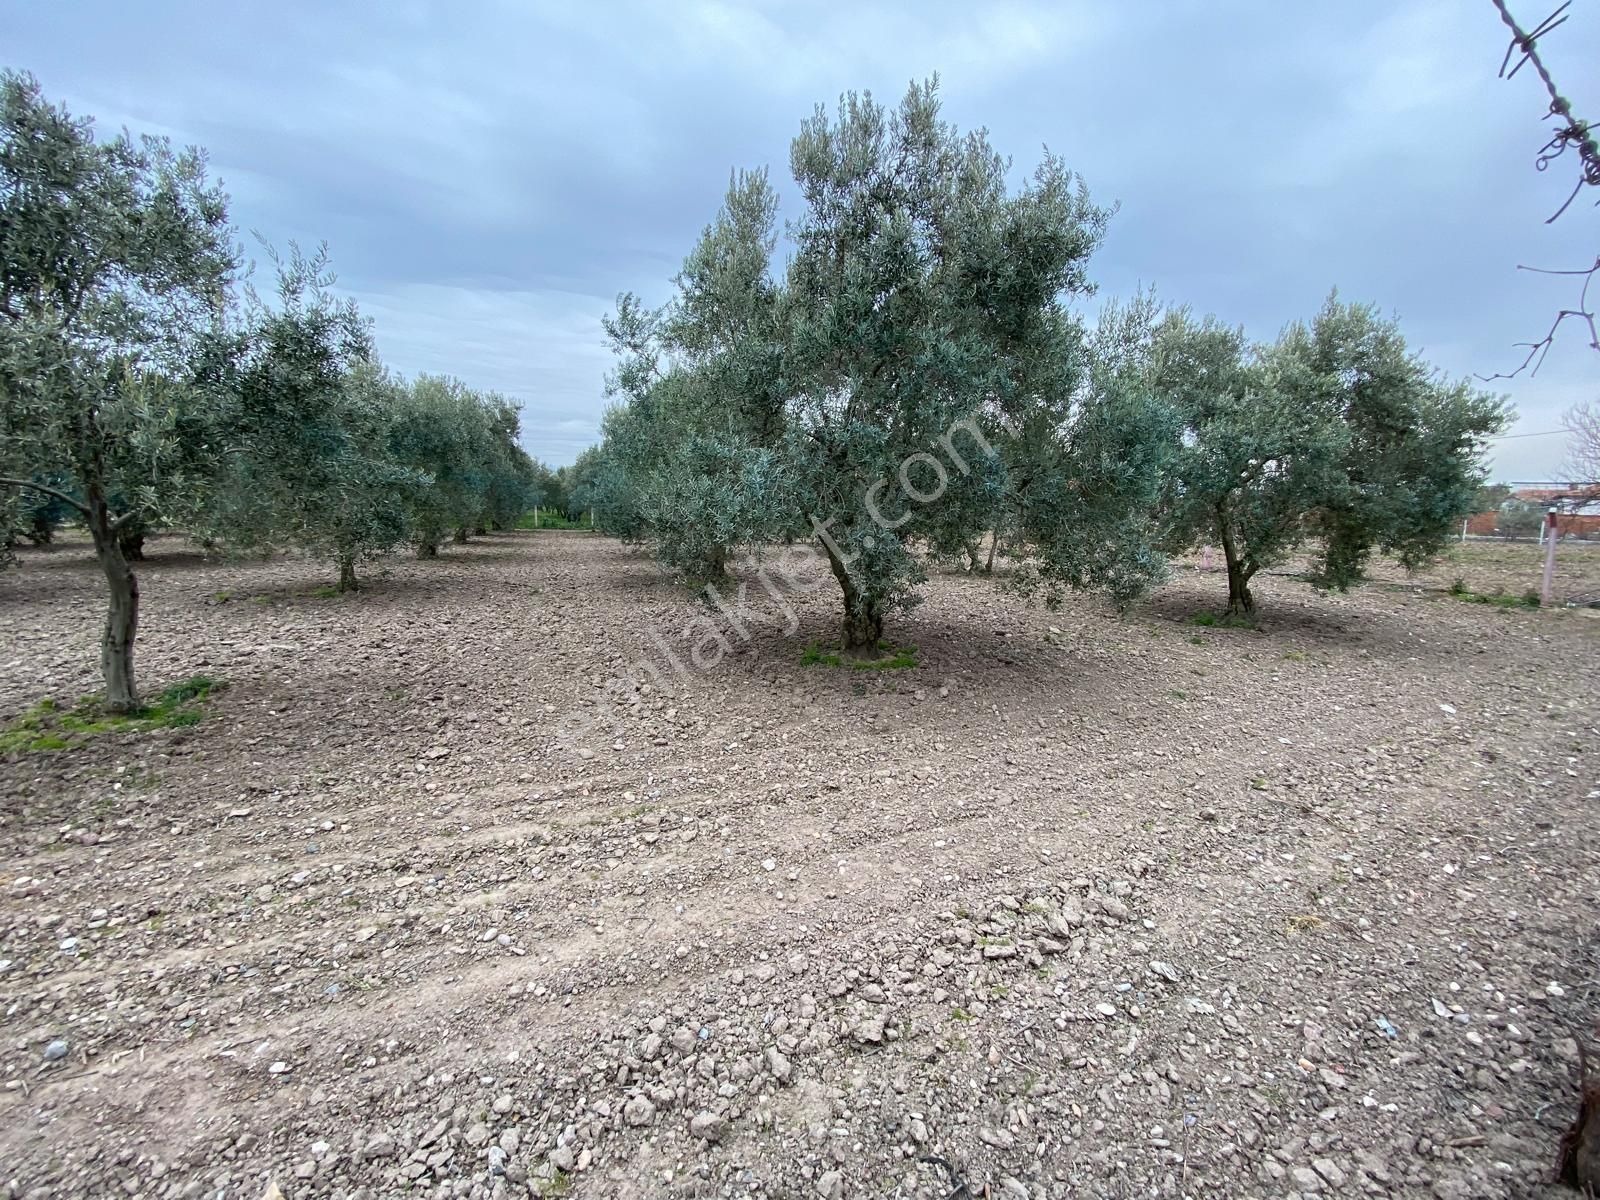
(449, 896)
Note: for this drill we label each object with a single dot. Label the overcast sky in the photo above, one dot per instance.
(489, 177)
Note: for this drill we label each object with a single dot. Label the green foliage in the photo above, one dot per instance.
(1519, 518)
(113, 257)
(1087, 480)
(312, 418)
(690, 462)
(1335, 431)
(925, 315)
(914, 381)
(553, 519)
(466, 444)
(114, 260)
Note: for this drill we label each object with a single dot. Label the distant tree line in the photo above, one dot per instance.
(915, 380)
(144, 386)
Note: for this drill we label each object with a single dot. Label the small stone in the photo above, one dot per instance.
(477, 1134)
(782, 1069)
(502, 1104)
(638, 1111)
(999, 950)
(1329, 1170)
(868, 1032)
(830, 1185)
(1164, 969)
(561, 1158)
(278, 1068)
(769, 864)
(683, 1040)
(366, 933)
(264, 893)
(381, 1146)
(55, 1051)
(1105, 1009)
(708, 1126)
(1306, 1179)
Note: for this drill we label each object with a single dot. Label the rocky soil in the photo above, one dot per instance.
(450, 895)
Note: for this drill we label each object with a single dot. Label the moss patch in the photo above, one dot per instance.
(47, 726)
(894, 658)
(1528, 599)
(1211, 620)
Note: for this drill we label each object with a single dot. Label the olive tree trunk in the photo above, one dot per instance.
(347, 574)
(863, 613)
(131, 536)
(1240, 602)
(122, 611)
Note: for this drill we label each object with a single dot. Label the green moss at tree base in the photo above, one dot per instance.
(48, 727)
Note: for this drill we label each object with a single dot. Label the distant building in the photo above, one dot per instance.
(1578, 515)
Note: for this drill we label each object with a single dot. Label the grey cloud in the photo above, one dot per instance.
(489, 177)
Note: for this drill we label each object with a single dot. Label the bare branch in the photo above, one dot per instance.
(1571, 132)
(1537, 350)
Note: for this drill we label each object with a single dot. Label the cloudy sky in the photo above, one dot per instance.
(489, 176)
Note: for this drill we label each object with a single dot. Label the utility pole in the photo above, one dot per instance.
(1546, 587)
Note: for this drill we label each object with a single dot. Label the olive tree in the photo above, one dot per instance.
(310, 418)
(926, 303)
(440, 429)
(114, 258)
(513, 478)
(1518, 518)
(1335, 432)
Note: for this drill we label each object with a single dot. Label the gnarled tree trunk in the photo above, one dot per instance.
(863, 613)
(347, 574)
(122, 611)
(1240, 602)
(131, 536)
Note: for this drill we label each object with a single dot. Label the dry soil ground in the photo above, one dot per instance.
(1078, 906)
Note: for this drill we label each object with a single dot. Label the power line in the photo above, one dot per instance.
(1506, 437)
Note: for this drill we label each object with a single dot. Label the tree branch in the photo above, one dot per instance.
(1570, 131)
(49, 491)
